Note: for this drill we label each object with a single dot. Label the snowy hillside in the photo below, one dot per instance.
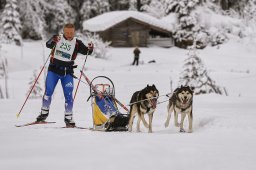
(224, 126)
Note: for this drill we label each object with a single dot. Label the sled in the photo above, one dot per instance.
(105, 112)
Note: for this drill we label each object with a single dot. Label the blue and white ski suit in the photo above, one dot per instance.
(61, 68)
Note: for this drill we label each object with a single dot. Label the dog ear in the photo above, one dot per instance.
(153, 86)
(176, 90)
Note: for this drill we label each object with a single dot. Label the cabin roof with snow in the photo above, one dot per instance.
(109, 19)
(131, 28)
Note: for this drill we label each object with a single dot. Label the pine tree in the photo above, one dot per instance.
(76, 6)
(156, 8)
(37, 90)
(32, 19)
(57, 15)
(2, 4)
(250, 12)
(101, 48)
(3, 76)
(1, 73)
(188, 32)
(231, 4)
(116, 5)
(11, 22)
(196, 75)
(137, 5)
(92, 8)
(41, 17)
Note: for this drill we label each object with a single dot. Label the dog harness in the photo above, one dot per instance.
(143, 105)
(185, 106)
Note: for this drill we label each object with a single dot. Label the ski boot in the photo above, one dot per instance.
(69, 121)
(43, 115)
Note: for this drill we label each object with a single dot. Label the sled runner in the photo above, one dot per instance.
(105, 113)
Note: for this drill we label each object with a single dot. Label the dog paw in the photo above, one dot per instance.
(166, 124)
(190, 131)
(130, 129)
(150, 131)
(177, 124)
(182, 130)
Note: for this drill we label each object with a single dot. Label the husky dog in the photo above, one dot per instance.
(181, 102)
(143, 102)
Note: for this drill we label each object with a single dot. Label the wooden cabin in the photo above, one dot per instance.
(130, 28)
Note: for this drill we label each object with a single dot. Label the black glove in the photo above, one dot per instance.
(56, 38)
(90, 46)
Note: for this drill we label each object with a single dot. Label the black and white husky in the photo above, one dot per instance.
(143, 102)
(181, 102)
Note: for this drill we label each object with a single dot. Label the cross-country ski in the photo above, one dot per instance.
(34, 123)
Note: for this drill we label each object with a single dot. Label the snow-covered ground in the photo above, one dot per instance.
(224, 134)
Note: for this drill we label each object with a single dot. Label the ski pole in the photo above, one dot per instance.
(122, 105)
(80, 76)
(93, 87)
(18, 114)
(81, 81)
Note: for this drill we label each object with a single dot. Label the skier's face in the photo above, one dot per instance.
(69, 33)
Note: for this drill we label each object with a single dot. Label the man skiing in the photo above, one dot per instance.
(64, 51)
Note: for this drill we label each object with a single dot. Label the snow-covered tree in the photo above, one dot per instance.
(116, 5)
(100, 47)
(91, 8)
(58, 14)
(2, 4)
(183, 7)
(195, 74)
(217, 38)
(188, 27)
(41, 17)
(32, 19)
(132, 5)
(249, 11)
(11, 22)
(76, 6)
(3, 76)
(136, 5)
(37, 90)
(156, 8)
(230, 4)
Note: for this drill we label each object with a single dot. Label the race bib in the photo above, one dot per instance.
(64, 49)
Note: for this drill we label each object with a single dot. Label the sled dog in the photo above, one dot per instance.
(143, 102)
(181, 102)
